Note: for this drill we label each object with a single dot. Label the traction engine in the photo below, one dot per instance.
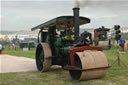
(61, 44)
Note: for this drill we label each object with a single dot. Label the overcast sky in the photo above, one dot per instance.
(23, 15)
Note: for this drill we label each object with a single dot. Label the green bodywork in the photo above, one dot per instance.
(23, 45)
(32, 45)
(27, 45)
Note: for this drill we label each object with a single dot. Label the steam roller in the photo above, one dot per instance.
(59, 43)
(101, 39)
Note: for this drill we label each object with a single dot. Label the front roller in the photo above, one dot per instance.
(105, 44)
(43, 54)
(93, 65)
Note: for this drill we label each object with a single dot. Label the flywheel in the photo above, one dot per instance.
(43, 54)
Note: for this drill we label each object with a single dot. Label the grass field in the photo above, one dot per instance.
(20, 52)
(117, 75)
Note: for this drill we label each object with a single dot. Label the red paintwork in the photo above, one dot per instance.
(2, 53)
(73, 50)
(96, 34)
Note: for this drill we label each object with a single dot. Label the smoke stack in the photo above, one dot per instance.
(76, 23)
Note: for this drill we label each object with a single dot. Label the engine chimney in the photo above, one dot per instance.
(76, 23)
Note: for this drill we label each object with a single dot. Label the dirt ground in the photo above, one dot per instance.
(16, 64)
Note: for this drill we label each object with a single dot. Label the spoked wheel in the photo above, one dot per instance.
(91, 63)
(43, 51)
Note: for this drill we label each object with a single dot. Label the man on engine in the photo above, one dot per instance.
(84, 38)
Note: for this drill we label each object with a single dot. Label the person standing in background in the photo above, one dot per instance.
(122, 43)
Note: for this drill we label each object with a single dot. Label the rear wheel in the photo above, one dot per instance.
(43, 51)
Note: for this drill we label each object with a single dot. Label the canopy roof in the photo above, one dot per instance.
(60, 22)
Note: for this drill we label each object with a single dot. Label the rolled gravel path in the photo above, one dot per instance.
(16, 64)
